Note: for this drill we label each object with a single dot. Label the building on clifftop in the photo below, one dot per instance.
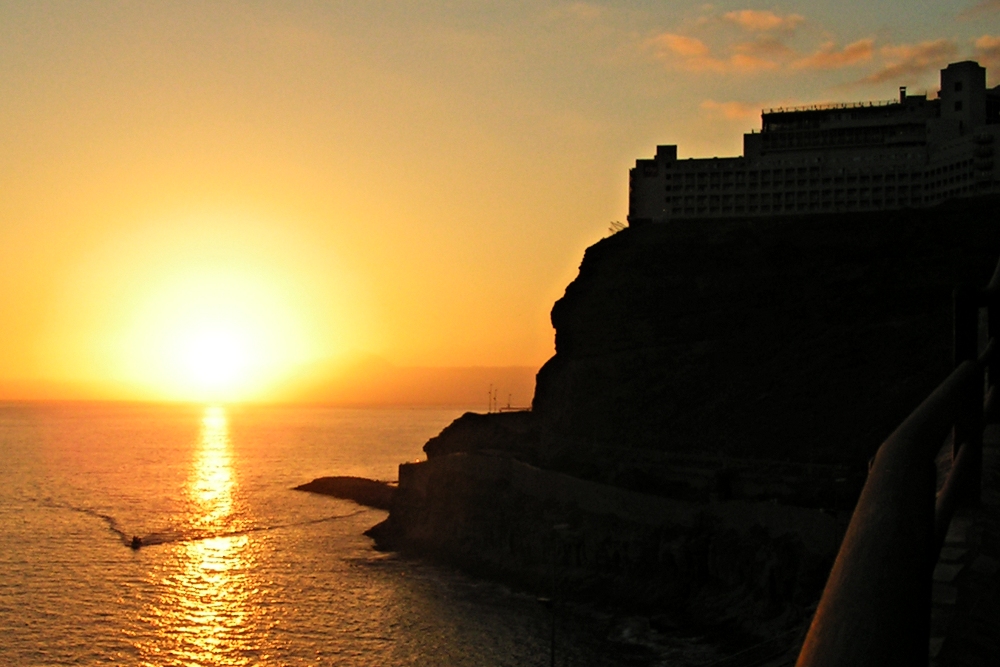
(872, 156)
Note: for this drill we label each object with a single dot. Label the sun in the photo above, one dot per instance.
(218, 335)
(204, 306)
(216, 357)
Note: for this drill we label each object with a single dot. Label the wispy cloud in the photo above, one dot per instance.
(828, 56)
(689, 53)
(730, 110)
(988, 51)
(748, 41)
(906, 62)
(694, 55)
(753, 41)
(763, 21)
(681, 45)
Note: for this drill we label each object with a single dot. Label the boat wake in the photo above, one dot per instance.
(135, 541)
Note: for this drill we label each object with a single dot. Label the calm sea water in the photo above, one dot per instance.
(238, 569)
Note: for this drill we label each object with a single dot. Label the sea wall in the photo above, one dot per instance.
(751, 564)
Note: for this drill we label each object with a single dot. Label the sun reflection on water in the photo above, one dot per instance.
(211, 489)
(205, 614)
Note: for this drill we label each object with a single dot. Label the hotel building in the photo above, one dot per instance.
(873, 156)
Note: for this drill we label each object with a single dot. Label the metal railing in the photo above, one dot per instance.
(876, 606)
(826, 106)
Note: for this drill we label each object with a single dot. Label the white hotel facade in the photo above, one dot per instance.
(875, 156)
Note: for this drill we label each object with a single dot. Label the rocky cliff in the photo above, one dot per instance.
(804, 340)
(712, 364)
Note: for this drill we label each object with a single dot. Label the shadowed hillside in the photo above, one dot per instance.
(805, 340)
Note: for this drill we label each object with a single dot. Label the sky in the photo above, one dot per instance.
(258, 200)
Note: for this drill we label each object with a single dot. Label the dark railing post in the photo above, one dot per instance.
(966, 331)
(991, 300)
(968, 428)
(875, 609)
(975, 423)
(992, 303)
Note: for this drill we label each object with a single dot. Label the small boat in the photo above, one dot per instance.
(136, 542)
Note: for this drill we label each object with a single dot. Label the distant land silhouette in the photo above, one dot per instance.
(375, 382)
(370, 382)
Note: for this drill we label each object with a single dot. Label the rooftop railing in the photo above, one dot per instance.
(831, 105)
(876, 607)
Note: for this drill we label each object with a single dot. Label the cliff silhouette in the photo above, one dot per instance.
(699, 438)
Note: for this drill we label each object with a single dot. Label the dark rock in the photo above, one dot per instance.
(511, 432)
(370, 492)
(803, 340)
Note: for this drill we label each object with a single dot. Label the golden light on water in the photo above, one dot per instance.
(206, 612)
(210, 490)
(212, 603)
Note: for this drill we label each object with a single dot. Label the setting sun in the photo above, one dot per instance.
(217, 335)
(206, 306)
(215, 358)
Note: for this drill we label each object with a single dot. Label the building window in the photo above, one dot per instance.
(958, 86)
(958, 105)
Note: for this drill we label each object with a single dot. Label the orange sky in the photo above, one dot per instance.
(227, 200)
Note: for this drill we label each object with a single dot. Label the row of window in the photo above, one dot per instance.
(721, 206)
(861, 136)
(762, 174)
(962, 170)
(814, 195)
(784, 185)
(950, 181)
(767, 176)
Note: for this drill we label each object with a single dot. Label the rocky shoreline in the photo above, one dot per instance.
(753, 567)
(368, 492)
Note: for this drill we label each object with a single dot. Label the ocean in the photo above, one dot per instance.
(236, 568)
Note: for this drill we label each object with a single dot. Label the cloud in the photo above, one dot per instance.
(694, 55)
(908, 61)
(764, 49)
(829, 57)
(730, 110)
(763, 42)
(988, 51)
(688, 47)
(763, 20)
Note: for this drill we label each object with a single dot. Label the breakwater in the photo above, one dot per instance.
(749, 564)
